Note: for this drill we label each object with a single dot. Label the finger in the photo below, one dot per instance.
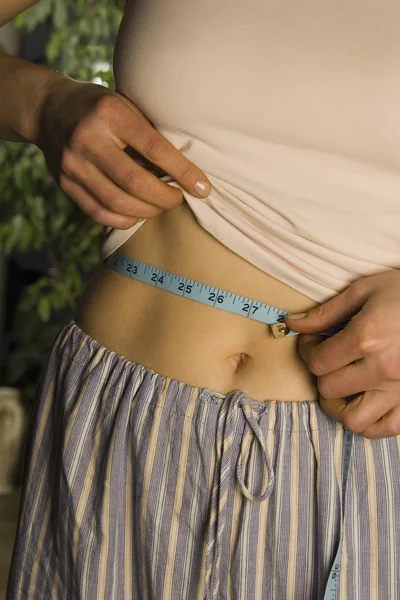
(92, 207)
(337, 408)
(307, 342)
(332, 353)
(387, 426)
(112, 197)
(360, 375)
(362, 412)
(338, 310)
(136, 180)
(138, 134)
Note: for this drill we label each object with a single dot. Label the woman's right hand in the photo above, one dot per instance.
(83, 129)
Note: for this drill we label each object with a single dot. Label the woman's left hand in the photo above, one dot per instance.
(362, 358)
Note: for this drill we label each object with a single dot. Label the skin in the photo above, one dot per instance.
(362, 359)
(93, 170)
(11, 8)
(82, 129)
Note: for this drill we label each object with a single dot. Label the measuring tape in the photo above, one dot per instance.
(333, 580)
(245, 307)
(206, 294)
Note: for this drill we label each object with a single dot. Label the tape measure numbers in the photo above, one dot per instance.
(206, 294)
(251, 309)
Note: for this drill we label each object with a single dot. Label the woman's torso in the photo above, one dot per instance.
(187, 340)
(277, 103)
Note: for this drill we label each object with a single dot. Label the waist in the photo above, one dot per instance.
(187, 340)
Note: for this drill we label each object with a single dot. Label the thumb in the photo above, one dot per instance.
(332, 313)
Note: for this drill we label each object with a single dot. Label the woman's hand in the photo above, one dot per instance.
(83, 129)
(363, 358)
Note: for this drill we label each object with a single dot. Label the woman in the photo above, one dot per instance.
(177, 450)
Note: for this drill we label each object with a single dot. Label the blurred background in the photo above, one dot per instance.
(48, 246)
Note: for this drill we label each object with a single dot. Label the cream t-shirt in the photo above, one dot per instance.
(292, 109)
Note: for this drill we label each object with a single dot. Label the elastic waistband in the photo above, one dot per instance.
(278, 415)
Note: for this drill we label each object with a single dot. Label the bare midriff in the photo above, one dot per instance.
(186, 340)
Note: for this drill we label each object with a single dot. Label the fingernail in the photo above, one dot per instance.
(202, 188)
(296, 316)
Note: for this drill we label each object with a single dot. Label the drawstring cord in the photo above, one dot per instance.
(228, 419)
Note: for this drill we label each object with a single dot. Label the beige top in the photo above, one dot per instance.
(292, 109)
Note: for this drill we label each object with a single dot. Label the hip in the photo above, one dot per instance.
(188, 495)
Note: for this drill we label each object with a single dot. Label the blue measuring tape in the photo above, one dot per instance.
(251, 309)
(206, 294)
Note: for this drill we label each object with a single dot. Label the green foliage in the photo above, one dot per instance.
(35, 212)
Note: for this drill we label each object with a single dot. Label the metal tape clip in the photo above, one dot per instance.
(279, 330)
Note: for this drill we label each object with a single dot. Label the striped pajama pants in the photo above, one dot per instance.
(141, 487)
